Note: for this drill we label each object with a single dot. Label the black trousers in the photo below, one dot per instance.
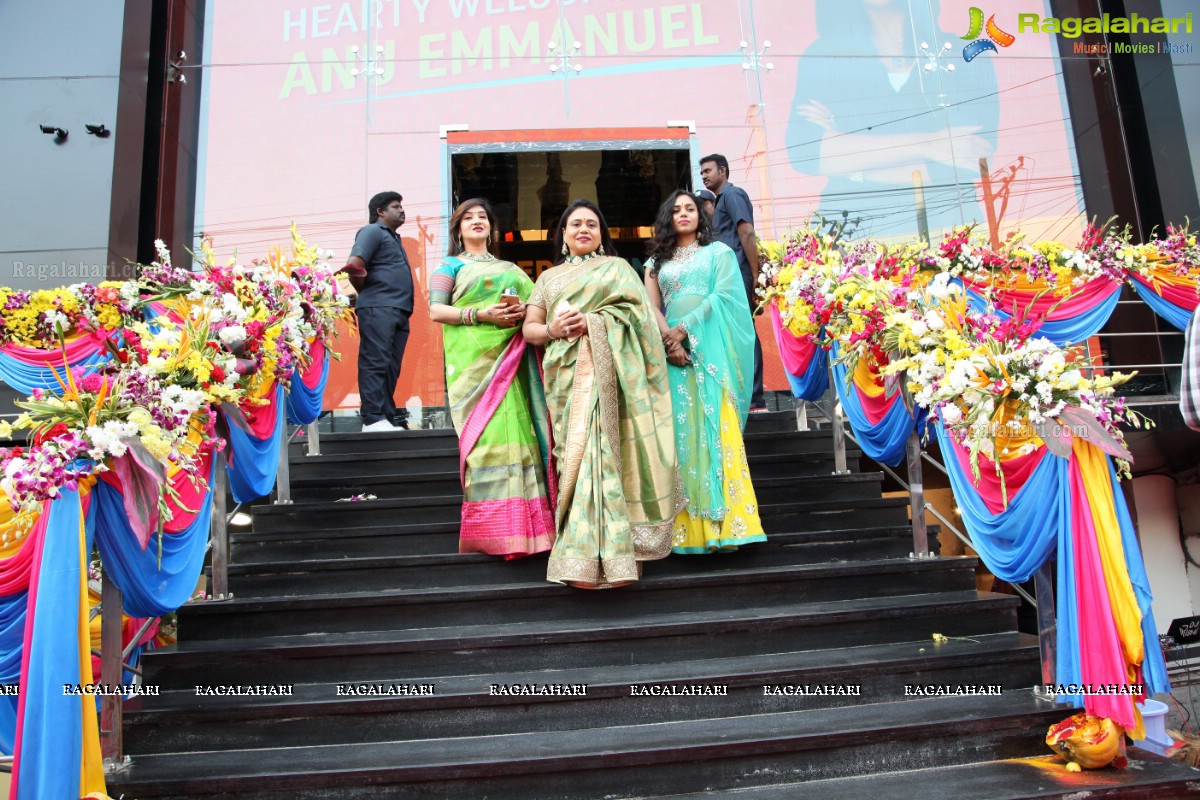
(383, 334)
(756, 398)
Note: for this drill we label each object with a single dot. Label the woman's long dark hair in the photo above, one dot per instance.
(662, 244)
(456, 243)
(605, 239)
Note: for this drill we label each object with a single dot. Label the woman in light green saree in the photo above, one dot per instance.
(609, 399)
(494, 391)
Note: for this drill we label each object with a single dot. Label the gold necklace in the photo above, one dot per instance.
(582, 258)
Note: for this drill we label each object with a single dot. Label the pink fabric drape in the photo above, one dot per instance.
(796, 352)
(1100, 655)
(262, 419)
(1181, 295)
(78, 349)
(311, 377)
(1016, 471)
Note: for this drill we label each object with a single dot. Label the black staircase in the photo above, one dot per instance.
(392, 644)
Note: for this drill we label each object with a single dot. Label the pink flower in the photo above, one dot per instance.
(92, 383)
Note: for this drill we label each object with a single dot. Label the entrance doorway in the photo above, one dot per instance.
(530, 184)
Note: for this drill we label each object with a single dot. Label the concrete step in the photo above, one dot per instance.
(461, 705)
(644, 634)
(669, 757)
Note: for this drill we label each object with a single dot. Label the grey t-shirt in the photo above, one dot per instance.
(732, 207)
(389, 281)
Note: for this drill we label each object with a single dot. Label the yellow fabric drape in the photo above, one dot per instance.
(1093, 468)
(91, 768)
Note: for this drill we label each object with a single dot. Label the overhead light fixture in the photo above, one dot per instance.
(60, 135)
(240, 519)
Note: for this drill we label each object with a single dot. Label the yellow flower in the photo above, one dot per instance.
(156, 445)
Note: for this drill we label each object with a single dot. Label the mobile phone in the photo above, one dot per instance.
(510, 299)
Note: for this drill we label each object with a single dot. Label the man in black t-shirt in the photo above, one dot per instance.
(733, 224)
(379, 268)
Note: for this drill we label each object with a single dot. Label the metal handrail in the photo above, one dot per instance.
(1043, 598)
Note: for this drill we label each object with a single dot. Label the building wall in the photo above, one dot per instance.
(69, 208)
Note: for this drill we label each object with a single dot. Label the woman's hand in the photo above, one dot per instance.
(568, 324)
(674, 337)
(677, 356)
(503, 315)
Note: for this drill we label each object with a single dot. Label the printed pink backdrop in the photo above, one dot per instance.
(292, 134)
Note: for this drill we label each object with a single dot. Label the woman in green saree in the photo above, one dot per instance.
(494, 391)
(606, 387)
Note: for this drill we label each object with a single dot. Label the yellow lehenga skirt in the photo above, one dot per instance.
(741, 524)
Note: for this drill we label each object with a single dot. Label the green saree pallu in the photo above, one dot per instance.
(609, 402)
(494, 390)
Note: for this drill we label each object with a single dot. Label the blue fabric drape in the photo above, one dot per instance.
(148, 590)
(1062, 332)
(1154, 668)
(304, 404)
(885, 441)
(1017, 541)
(813, 384)
(52, 735)
(27, 377)
(1014, 543)
(12, 644)
(1163, 307)
(255, 461)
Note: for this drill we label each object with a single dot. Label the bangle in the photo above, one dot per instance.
(461, 316)
(550, 335)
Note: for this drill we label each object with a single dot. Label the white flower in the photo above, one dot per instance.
(232, 335)
(951, 414)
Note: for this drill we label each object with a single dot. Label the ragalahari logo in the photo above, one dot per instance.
(995, 36)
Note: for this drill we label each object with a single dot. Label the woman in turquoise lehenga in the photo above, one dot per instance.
(709, 335)
(494, 391)
(607, 390)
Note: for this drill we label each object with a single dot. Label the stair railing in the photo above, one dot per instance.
(1043, 598)
(218, 531)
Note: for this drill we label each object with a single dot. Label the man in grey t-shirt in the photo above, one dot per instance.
(733, 224)
(385, 302)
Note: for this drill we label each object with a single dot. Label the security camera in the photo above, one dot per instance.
(98, 130)
(60, 135)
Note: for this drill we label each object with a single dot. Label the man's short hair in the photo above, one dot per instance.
(719, 160)
(706, 194)
(381, 200)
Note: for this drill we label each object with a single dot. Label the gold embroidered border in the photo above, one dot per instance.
(606, 383)
(576, 428)
(652, 542)
(595, 572)
(556, 282)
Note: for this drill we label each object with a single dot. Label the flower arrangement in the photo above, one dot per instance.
(321, 306)
(182, 343)
(840, 295)
(1177, 254)
(44, 318)
(997, 386)
(99, 419)
(1048, 266)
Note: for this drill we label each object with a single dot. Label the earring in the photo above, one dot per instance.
(564, 249)
(489, 238)
(600, 252)
(458, 243)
